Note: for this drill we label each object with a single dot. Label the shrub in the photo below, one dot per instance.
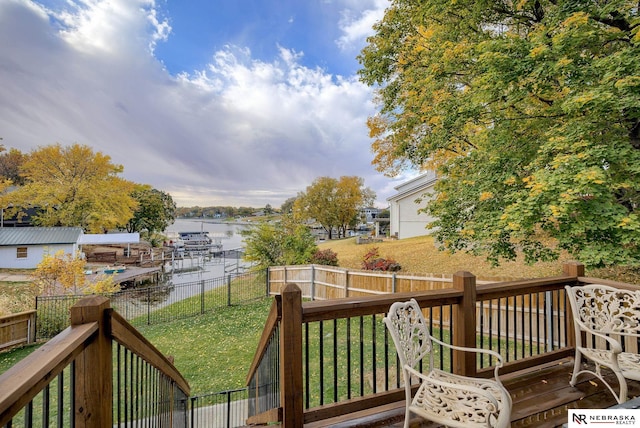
(325, 257)
(372, 261)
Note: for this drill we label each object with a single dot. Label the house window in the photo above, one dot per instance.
(21, 252)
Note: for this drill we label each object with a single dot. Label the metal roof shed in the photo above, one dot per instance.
(24, 247)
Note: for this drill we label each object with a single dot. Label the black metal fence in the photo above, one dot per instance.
(220, 409)
(158, 303)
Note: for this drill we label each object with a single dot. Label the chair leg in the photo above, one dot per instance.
(576, 368)
(407, 418)
(622, 397)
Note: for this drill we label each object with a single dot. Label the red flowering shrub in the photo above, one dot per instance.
(325, 257)
(373, 261)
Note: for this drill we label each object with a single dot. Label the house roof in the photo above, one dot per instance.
(109, 238)
(12, 236)
(415, 185)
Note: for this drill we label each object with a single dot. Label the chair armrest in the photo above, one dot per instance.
(455, 386)
(616, 347)
(494, 354)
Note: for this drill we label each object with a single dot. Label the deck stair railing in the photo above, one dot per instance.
(329, 358)
(99, 372)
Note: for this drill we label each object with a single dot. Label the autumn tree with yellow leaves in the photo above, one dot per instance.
(530, 113)
(64, 273)
(74, 186)
(334, 203)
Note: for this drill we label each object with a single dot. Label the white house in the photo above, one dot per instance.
(24, 247)
(405, 220)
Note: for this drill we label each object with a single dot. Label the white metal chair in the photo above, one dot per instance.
(442, 397)
(607, 327)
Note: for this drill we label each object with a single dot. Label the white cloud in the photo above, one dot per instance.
(239, 132)
(357, 22)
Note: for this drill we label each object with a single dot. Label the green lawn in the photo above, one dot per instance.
(212, 351)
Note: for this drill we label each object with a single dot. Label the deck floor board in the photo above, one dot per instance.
(541, 398)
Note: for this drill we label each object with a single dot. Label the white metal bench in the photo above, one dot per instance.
(442, 397)
(607, 327)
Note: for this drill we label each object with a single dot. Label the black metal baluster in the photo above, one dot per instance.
(348, 358)
(321, 359)
(335, 360)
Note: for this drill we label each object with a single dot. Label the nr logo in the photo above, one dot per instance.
(579, 418)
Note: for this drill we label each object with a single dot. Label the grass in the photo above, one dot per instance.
(213, 351)
(419, 255)
(16, 297)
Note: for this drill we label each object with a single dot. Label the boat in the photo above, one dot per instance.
(200, 242)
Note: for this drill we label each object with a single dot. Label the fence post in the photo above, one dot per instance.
(268, 280)
(94, 366)
(148, 305)
(202, 296)
(313, 282)
(229, 290)
(464, 324)
(291, 388)
(346, 283)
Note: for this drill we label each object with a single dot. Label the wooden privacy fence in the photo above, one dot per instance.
(17, 329)
(318, 282)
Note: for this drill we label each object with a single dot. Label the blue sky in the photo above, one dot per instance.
(232, 102)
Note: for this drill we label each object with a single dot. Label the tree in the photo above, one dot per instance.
(73, 186)
(530, 113)
(10, 163)
(62, 272)
(287, 206)
(333, 203)
(351, 197)
(278, 244)
(155, 210)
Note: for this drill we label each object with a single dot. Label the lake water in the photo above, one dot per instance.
(202, 267)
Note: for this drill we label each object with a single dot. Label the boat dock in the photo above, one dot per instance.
(131, 275)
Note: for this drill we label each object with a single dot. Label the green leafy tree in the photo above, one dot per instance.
(278, 244)
(155, 210)
(530, 113)
(334, 203)
(73, 186)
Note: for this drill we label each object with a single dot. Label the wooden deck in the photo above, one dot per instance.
(541, 398)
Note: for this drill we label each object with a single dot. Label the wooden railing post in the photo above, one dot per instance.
(291, 397)
(94, 366)
(464, 324)
(571, 269)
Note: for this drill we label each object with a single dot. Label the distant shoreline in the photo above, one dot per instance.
(214, 221)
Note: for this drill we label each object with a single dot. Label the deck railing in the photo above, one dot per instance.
(328, 358)
(99, 372)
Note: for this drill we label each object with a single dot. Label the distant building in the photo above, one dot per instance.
(405, 220)
(369, 214)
